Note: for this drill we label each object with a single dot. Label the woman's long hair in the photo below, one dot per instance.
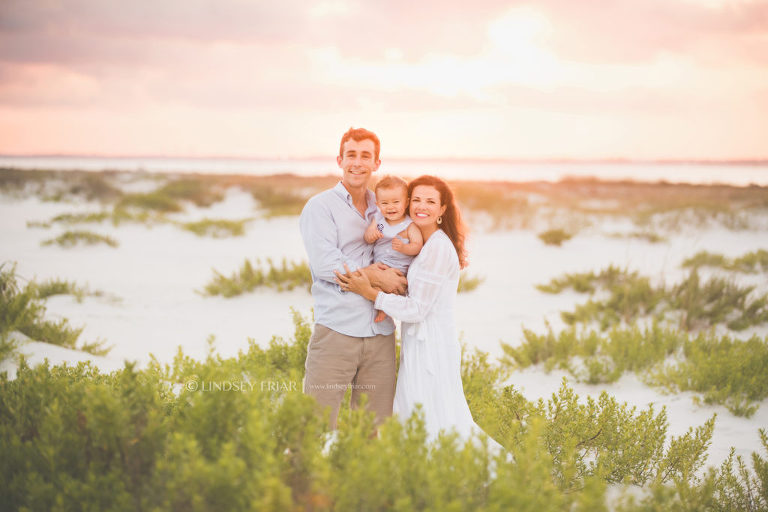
(452, 224)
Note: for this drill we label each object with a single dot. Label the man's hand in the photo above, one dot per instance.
(388, 280)
(372, 233)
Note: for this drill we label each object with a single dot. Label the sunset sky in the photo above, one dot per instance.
(584, 79)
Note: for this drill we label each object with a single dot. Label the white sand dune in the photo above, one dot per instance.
(157, 271)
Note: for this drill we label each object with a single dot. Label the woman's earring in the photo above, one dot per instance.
(439, 220)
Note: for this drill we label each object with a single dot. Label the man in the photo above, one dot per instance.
(347, 346)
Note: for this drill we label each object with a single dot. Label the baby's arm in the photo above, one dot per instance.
(372, 233)
(415, 241)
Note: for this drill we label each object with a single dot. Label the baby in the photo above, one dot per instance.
(396, 239)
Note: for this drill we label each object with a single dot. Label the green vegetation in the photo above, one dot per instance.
(155, 201)
(570, 203)
(278, 202)
(649, 236)
(723, 370)
(202, 191)
(693, 304)
(287, 276)
(468, 283)
(217, 228)
(60, 185)
(500, 201)
(238, 434)
(750, 263)
(72, 238)
(59, 287)
(21, 310)
(555, 237)
(166, 199)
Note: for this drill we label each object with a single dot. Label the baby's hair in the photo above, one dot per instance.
(390, 182)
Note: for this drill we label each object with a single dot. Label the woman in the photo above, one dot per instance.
(430, 358)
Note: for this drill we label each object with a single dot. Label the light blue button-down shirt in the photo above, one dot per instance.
(332, 230)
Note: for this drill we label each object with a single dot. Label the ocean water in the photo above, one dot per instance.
(698, 173)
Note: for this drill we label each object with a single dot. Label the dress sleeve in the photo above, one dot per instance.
(437, 263)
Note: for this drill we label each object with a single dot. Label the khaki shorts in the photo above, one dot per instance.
(336, 361)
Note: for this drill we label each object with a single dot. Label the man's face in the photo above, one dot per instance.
(358, 162)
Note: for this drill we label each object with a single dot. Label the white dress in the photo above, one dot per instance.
(430, 356)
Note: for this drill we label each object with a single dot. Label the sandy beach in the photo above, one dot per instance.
(152, 302)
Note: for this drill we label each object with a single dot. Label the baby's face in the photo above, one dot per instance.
(392, 202)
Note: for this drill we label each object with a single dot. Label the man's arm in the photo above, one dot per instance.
(388, 280)
(318, 231)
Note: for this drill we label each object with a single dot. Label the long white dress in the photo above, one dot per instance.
(430, 356)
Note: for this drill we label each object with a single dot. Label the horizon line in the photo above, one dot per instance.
(537, 160)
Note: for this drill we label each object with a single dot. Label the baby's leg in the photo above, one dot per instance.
(380, 315)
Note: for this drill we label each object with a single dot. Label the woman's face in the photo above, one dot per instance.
(425, 205)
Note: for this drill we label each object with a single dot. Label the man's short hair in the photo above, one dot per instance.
(390, 182)
(359, 134)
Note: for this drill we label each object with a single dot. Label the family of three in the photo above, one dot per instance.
(375, 257)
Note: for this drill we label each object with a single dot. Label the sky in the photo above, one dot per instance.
(586, 79)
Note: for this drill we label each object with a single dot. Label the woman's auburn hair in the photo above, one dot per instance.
(452, 224)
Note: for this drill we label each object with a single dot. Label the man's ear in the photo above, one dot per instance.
(338, 160)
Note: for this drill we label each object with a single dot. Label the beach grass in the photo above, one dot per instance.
(693, 304)
(660, 208)
(217, 228)
(555, 236)
(467, 282)
(22, 309)
(649, 236)
(202, 191)
(153, 201)
(749, 263)
(720, 369)
(276, 202)
(57, 286)
(283, 277)
(72, 238)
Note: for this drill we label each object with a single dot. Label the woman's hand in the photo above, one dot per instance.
(356, 282)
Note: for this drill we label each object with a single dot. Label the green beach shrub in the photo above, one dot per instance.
(278, 202)
(723, 370)
(56, 286)
(749, 263)
(22, 310)
(691, 304)
(719, 369)
(237, 434)
(217, 228)
(468, 283)
(203, 191)
(555, 237)
(156, 201)
(287, 276)
(72, 238)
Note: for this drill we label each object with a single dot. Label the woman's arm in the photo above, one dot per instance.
(437, 263)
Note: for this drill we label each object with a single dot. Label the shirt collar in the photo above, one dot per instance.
(342, 191)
